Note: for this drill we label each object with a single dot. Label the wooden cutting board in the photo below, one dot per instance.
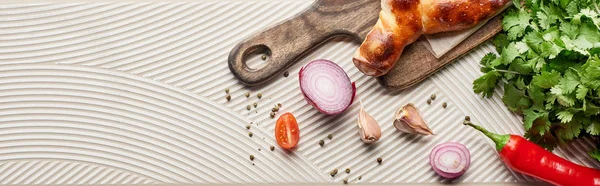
(289, 41)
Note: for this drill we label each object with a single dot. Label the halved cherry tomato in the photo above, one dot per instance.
(287, 132)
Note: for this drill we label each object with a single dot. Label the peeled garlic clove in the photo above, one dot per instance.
(368, 128)
(409, 120)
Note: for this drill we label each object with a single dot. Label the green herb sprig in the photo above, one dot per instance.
(549, 66)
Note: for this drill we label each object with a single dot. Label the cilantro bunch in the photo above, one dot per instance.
(549, 66)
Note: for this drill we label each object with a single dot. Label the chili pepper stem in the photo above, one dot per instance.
(498, 139)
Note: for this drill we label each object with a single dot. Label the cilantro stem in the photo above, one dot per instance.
(503, 71)
(508, 71)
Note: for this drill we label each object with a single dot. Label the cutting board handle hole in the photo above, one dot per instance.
(257, 57)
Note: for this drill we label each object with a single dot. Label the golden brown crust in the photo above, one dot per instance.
(385, 43)
(451, 15)
(401, 22)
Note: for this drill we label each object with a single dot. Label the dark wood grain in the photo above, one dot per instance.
(292, 39)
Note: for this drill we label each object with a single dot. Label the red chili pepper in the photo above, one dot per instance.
(528, 158)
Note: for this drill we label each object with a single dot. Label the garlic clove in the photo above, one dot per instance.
(409, 120)
(368, 128)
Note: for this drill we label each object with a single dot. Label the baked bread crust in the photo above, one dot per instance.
(402, 22)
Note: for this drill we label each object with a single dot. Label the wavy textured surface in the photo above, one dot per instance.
(128, 123)
(133, 93)
(46, 171)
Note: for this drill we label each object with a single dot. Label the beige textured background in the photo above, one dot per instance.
(132, 93)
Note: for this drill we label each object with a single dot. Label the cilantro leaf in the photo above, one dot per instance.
(591, 109)
(550, 34)
(514, 98)
(537, 96)
(590, 73)
(509, 54)
(572, 8)
(588, 13)
(590, 32)
(565, 116)
(586, 37)
(563, 3)
(519, 66)
(541, 126)
(533, 39)
(485, 84)
(583, 43)
(546, 20)
(582, 91)
(594, 128)
(595, 154)
(577, 45)
(533, 4)
(566, 100)
(549, 50)
(546, 79)
(521, 47)
(530, 115)
(568, 29)
(569, 82)
(486, 62)
(515, 22)
(568, 131)
(537, 62)
(501, 41)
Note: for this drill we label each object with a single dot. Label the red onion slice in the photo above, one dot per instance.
(326, 86)
(450, 160)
